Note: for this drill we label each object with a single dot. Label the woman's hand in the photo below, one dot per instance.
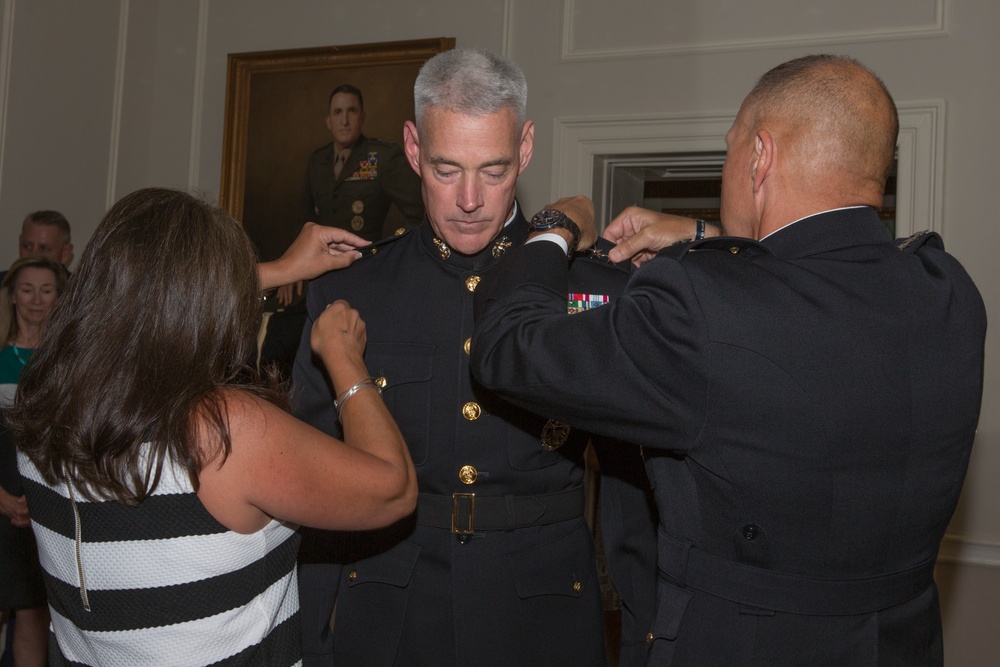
(315, 251)
(14, 508)
(338, 337)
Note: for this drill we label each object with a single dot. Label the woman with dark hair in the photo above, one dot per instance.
(161, 473)
(28, 291)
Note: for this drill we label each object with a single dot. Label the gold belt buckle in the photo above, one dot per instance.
(455, 498)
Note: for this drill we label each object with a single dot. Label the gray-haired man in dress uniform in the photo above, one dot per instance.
(497, 566)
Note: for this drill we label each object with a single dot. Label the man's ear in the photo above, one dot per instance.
(762, 164)
(411, 145)
(67, 254)
(527, 147)
(329, 123)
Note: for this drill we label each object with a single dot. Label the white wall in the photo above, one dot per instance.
(102, 97)
(58, 82)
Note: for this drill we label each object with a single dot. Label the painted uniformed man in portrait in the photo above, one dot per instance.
(353, 181)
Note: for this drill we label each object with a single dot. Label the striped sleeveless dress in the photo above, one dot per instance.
(163, 583)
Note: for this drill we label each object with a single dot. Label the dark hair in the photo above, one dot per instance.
(52, 219)
(8, 320)
(346, 88)
(161, 314)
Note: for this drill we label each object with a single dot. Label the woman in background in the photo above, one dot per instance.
(163, 476)
(27, 294)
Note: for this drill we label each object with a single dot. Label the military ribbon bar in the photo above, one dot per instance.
(367, 169)
(579, 302)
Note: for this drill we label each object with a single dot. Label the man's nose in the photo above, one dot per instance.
(469, 195)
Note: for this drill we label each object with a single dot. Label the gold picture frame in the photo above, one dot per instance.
(276, 103)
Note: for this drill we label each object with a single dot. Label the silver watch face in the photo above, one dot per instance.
(547, 218)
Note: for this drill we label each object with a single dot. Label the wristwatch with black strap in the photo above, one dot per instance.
(550, 218)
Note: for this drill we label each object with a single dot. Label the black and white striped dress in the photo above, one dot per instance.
(163, 583)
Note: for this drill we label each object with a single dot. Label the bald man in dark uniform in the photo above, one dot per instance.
(806, 394)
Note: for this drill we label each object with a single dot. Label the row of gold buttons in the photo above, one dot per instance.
(472, 411)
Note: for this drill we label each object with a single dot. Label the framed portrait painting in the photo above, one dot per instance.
(276, 105)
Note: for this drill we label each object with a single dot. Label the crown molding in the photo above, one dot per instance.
(937, 28)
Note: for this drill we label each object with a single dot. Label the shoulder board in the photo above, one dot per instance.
(920, 239)
(731, 244)
(375, 248)
(599, 253)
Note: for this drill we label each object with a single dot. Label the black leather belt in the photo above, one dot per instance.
(466, 513)
(785, 592)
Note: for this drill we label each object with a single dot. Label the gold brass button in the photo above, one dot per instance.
(471, 411)
(734, 249)
(472, 282)
(468, 345)
(468, 474)
(400, 231)
(381, 381)
(353, 575)
(649, 637)
(577, 586)
(357, 222)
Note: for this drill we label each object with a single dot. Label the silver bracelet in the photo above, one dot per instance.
(363, 383)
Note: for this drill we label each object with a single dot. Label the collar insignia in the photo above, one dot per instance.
(442, 247)
(500, 246)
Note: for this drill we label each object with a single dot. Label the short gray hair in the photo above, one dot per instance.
(471, 81)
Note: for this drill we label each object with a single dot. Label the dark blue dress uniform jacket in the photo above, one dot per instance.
(807, 406)
(417, 594)
(375, 176)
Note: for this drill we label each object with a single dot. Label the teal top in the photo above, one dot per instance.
(12, 361)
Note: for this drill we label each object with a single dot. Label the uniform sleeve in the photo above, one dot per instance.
(311, 399)
(629, 370)
(402, 185)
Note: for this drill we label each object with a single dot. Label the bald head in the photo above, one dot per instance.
(836, 115)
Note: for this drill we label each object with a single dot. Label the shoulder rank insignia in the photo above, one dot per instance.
(373, 248)
(916, 241)
(597, 253)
